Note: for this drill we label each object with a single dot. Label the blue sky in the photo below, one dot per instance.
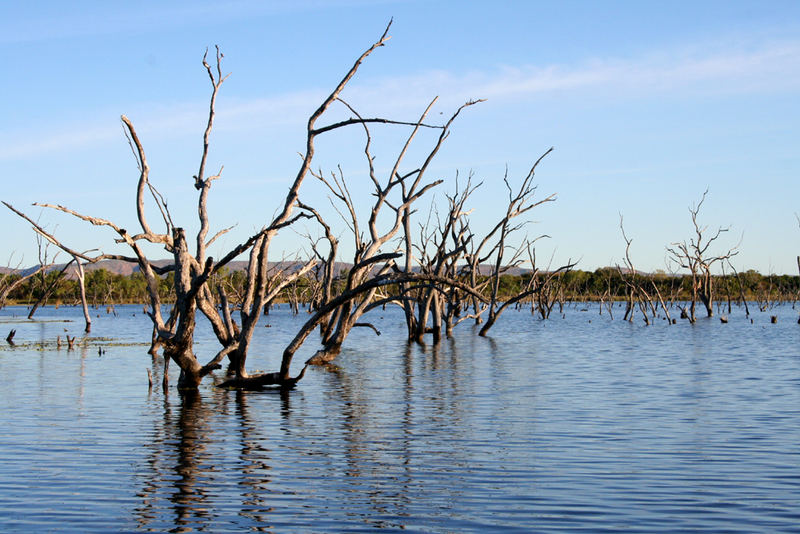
(646, 103)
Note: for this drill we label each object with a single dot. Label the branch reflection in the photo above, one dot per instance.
(178, 455)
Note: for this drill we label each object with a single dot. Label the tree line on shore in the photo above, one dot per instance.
(106, 288)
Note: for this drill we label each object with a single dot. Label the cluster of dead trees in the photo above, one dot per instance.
(436, 268)
(697, 256)
(432, 269)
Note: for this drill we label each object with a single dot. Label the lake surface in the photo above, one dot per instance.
(576, 423)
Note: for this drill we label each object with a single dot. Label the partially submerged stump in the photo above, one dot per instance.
(323, 357)
(257, 382)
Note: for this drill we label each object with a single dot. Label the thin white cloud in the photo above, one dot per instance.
(163, 122)
(79, 137)
(771, 68)
(774, 67)
(277, 110)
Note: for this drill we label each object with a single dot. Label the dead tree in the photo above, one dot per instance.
(46, 287)
(545, 287)
(442, 249)
(740, 283)
(9, 282)
(82, 288)
(193, 270)
(395, 193)
(374, 268)
(494, 247)
(637, 294)
(236, 340)
(324, 270)
(447, 248)
(395, 277)
(695, 256)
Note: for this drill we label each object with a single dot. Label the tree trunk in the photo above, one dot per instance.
(82, 285)
(706, 293)
(437, 318)
(179, 346)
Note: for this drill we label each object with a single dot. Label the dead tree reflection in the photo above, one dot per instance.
(253, 459)
(178, 454)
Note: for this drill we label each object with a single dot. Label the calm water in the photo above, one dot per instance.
(576, 423)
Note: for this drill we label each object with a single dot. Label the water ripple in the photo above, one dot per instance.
(559, 425)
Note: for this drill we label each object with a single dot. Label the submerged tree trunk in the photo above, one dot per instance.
(82, 285)
(706, 293)
(178, 346)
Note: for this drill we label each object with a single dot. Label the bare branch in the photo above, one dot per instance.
(376, 120)
(219, 234)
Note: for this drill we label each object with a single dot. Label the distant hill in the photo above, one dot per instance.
(125, 268)
(114, 266)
